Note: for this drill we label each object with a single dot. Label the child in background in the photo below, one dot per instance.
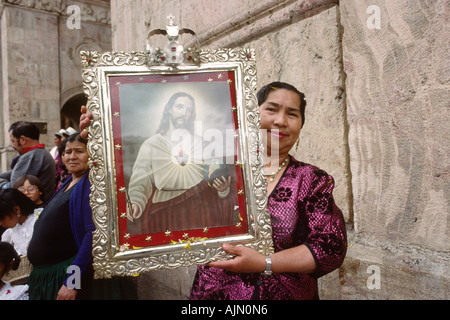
(10, 260)
(32, 187)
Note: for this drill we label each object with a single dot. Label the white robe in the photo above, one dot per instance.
(173, 168)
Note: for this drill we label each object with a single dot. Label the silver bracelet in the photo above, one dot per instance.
(268, 271)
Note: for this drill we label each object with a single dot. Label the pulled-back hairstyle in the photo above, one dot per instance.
(8, 254)
(76, 137)
(9, 198)
(264, 92)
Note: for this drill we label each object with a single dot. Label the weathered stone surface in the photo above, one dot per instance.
(397, 107)
(398, 103)
(405, 272)
(29, 67)
(166, 284)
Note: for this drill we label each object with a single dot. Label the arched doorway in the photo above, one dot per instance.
(70, 112)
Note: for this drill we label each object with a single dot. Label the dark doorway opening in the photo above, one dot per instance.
(70, 112)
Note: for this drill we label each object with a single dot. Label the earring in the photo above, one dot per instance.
(296, 145)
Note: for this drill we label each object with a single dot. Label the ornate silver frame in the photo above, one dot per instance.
(110, 256)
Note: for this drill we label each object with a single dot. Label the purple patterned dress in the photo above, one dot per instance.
(303, 212)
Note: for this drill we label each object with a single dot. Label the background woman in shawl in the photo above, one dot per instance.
(63, 238)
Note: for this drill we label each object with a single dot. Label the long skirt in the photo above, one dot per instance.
(45, 281)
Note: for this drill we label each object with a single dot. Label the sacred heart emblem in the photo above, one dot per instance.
(182, 157)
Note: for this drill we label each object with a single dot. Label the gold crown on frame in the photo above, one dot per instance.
(173, 53)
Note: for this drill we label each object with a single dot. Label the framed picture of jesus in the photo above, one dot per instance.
(176, 160)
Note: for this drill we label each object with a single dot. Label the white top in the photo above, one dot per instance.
(9, 292)
(20, 235)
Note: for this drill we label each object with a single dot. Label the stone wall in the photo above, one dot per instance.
(40, 63)
(376, 120)
(398, 100)
(397, 91)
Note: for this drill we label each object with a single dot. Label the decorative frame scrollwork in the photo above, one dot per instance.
(113, 255)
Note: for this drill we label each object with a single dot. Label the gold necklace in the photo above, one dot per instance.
(273, 174)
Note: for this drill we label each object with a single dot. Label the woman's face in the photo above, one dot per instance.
(56, 140)
(76, 158)
(31, 191)
(281, 121)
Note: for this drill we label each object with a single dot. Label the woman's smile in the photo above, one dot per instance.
(277, 133)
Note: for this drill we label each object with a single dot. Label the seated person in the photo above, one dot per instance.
(10, 260)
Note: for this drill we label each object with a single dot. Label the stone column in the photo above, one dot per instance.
(40, 42)
(30, 61)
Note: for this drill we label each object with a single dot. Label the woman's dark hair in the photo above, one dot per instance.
(264, 92)
(76, 137)
(9, 198)
(165, 121)
(33, 180)
(62, 147)
(9, 254)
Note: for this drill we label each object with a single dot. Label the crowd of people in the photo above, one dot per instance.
(46, 217)
(44, 205)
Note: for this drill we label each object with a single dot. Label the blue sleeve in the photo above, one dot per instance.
(82, 224)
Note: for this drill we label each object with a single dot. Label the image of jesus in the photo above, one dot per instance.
(167, 188)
